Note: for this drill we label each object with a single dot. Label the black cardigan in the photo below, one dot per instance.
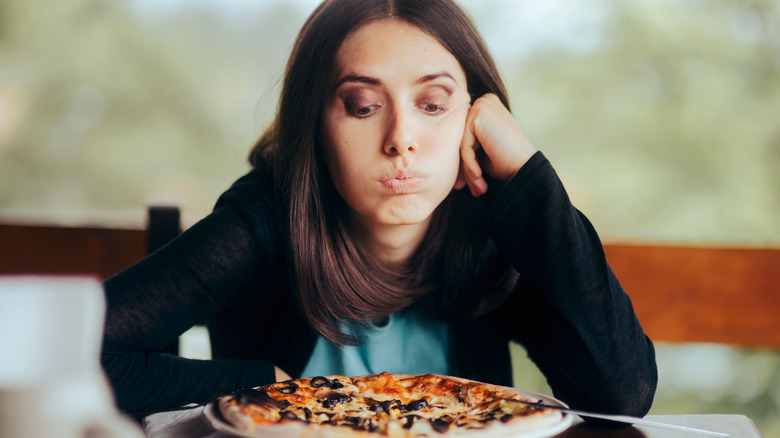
(568, 310)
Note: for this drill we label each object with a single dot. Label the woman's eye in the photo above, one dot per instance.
(363, 111)
(432, 108)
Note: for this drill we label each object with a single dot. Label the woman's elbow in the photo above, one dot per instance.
(633, 398)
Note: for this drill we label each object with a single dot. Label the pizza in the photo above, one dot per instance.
(383, 405)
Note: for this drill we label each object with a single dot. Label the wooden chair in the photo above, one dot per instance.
(681, 293)
(101, 252)
(55, 249)
(728, 295)
(88, 250)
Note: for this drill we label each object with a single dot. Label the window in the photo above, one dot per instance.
(661, 118)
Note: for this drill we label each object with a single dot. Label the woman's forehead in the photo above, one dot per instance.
(387, 47)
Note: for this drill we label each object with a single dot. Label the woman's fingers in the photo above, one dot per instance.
(470, 167)
(492, 143)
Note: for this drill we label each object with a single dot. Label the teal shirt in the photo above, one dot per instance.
(411, 342)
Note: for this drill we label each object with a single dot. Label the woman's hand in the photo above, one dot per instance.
(281, 376)
(493, 143)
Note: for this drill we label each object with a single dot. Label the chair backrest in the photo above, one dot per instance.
(726, 295)
(163, 225)
(55, 249)
(102, 252)
(92, 250)
(702, 294)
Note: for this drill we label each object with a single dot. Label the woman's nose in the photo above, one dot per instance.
(400, 137)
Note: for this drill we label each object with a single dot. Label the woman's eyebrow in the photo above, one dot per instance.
(358, 78)
(376, 81)
(434, 76)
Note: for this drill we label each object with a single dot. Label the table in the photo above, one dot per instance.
(190, 423)
(738, 426)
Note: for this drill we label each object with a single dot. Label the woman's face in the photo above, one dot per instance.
(393, 123)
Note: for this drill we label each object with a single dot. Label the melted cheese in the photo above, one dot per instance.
(450, 405)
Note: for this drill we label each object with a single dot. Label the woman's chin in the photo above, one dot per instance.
(399, 211)
(407, 215)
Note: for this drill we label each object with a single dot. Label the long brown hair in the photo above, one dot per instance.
(337, 282)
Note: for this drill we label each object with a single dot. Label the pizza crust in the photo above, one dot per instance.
(234, 416)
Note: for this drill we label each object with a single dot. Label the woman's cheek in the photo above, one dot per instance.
(444, 148)
(455, 124)
(448, 137)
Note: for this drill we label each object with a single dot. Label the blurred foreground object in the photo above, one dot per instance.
(51, 382)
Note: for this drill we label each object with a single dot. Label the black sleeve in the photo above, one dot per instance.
(569, 310)
(219, 259)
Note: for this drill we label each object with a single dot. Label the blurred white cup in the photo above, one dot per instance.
(51, 382)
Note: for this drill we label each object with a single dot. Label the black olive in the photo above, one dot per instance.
(290, 388)
(335, 384)
(393, 404)
(417, 405)
(490, 415)
(289, 415)
(409, 421)
(335, 399)
(505, 418)
(306, 413)
(366, 424)
(440, 425)
(282, 404)
(377, 408)
(340, 398)
(319, 382)
(287, 390)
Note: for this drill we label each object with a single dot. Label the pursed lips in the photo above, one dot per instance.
(402, 181)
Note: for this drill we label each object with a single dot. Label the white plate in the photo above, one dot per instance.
(212, 414)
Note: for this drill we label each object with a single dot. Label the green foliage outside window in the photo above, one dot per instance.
(662, 118)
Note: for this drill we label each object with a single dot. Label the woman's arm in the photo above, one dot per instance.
(570, 311)
(227, 254)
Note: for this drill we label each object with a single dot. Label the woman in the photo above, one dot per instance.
(353, 246)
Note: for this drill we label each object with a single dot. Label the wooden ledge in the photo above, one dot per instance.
(702, 294)
(42, 249)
